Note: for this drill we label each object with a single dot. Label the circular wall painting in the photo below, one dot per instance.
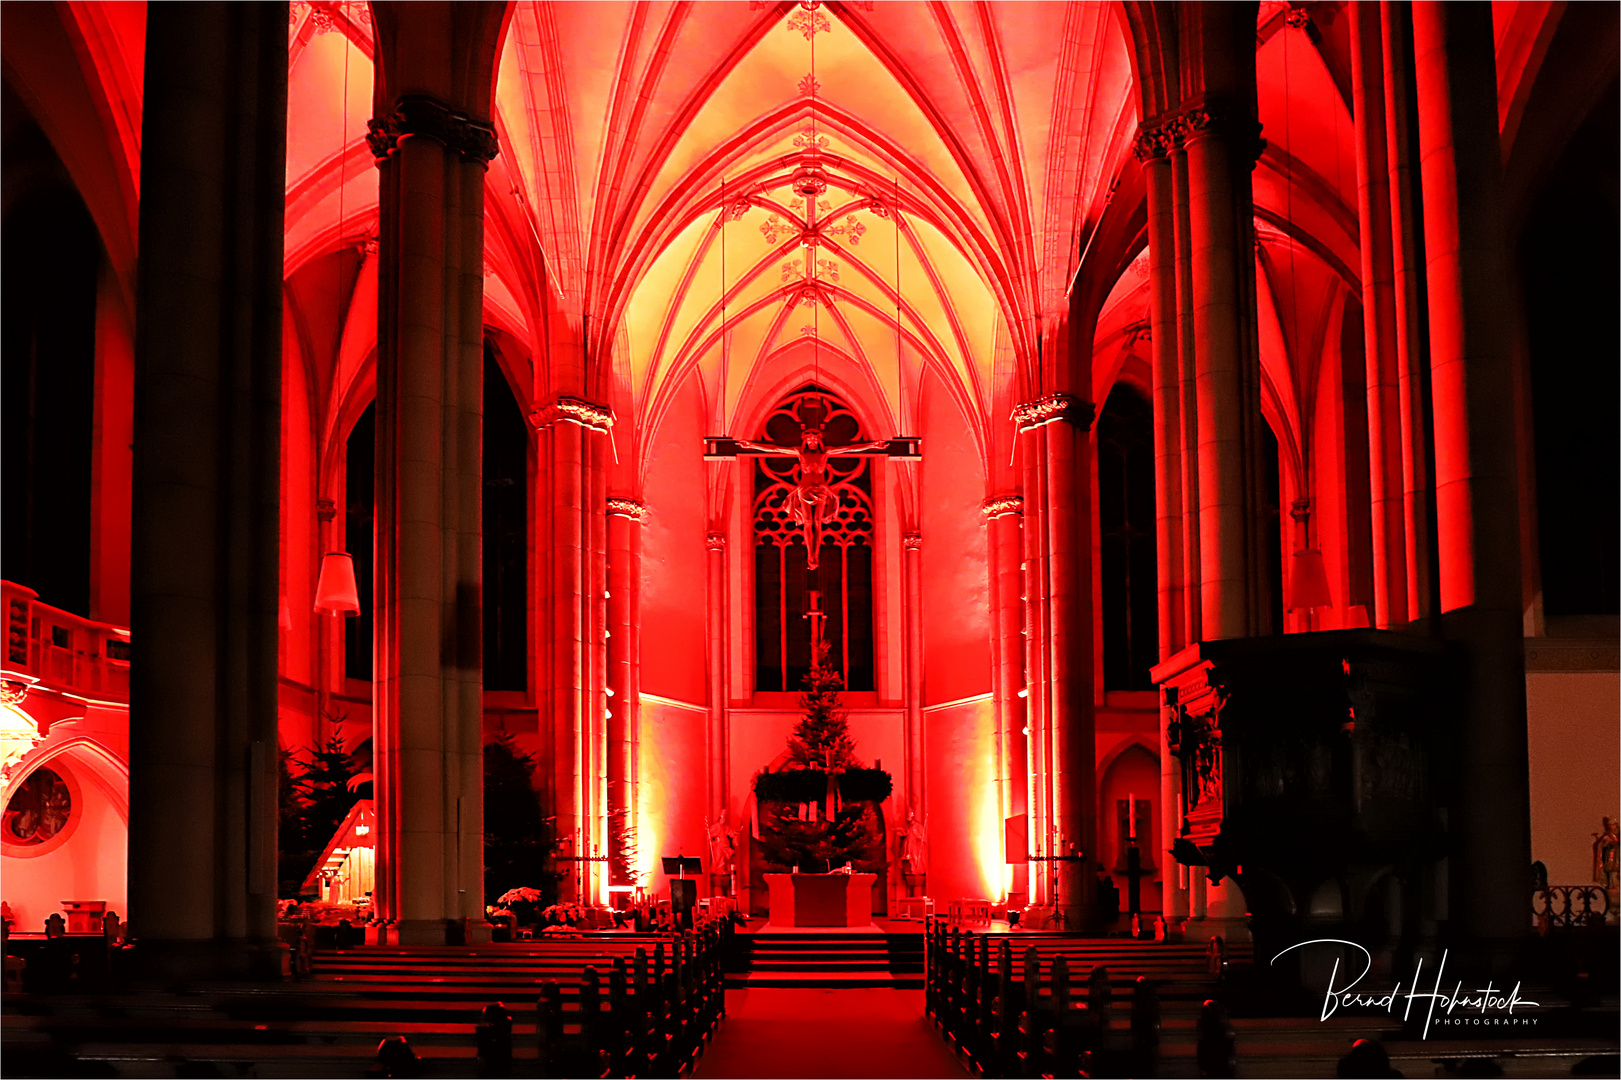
(38, 811)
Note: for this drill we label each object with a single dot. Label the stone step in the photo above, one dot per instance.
(823, 980)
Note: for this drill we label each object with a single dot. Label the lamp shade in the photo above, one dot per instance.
(1308, 582)
(335, 591)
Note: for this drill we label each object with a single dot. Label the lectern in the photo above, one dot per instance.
(683, 890)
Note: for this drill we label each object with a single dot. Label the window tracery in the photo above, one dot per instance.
(845, 576)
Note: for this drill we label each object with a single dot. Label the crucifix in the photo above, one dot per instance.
(812, 500)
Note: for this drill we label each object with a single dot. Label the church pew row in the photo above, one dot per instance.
(1160, 1018)
(600, 1005)
(605, 1007)
(1011, 1003)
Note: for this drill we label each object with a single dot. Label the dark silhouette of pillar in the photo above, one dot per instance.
(1476, 479)
(203, 768)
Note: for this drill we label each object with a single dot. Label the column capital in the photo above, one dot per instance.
(1154, 142)
(420, 115)
(325, 509)
(1212, 117)
(573, 410)
(1002, 506)
(913, 541)
(715, 541)
(1045, 410)
(628, 508)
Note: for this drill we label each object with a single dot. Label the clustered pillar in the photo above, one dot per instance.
(573, 437)
(1061, 751)
(1207, 415)
(1443, 499)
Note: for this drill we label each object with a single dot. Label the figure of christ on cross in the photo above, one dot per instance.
(813, 501)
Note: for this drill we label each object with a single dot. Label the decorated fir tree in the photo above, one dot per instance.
(821, 740)
(821, 810)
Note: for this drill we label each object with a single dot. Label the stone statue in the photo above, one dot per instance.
(722, 844)
(914, 847)
(1605, 845)
(813, 500)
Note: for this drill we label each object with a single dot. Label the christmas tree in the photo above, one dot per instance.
(821, 740)
(802, 821)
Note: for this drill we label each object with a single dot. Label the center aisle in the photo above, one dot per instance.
(826, 1033)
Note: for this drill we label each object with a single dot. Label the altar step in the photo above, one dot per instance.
(830, 960)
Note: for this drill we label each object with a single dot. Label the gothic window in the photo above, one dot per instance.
(359, 517)
(506, 533)
(1126, 526)
(844, 579)
(1272, 527)
(38, 810)
(50, 255)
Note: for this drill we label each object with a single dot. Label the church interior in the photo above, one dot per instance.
(1139, 472)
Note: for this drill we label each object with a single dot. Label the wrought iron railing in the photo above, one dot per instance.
(1570, 907)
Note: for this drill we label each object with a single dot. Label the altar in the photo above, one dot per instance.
(821, 899)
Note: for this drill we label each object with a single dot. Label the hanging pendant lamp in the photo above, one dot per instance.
(335, 592)
(1308, 582)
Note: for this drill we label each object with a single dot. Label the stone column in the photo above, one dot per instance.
(1003, 516)
(1476, 482)
(625, 517)
(719, 698)
(206, 489)
(1221, 142)
(427, 675)
(1407, 271)
(1056, 427)
(573, 689)
(912, 685)
(1037, 748)
(1379, 322)
(1185, 377)
(1153, 151)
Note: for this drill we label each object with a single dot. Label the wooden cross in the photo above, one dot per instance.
(812, 500)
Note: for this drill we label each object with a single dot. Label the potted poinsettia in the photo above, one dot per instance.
(523, 904)
(563, 918)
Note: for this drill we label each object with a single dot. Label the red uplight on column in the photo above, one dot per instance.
(336, 592)
(1308, 583)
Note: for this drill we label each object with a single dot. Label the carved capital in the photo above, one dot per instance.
(1053, 407)
(1153, 142)
(1001, 506)
(572, 410)
(628, 508)
(1297, 18)
(326, 509)
(715, 541)
(913, 541)
(419, 115)
(1220, 118)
